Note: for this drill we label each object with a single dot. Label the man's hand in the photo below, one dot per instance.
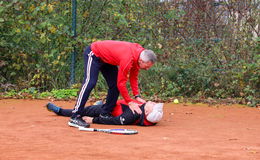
(135, 107)
(88, 119)
(140, 100)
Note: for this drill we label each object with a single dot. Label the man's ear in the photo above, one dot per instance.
(145, 112)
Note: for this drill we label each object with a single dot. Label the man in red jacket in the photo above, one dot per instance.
(118, 61)
(151, 114)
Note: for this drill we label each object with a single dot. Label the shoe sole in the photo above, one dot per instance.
(49, 109)
(77, 126)
(73, 125)
(46, 106)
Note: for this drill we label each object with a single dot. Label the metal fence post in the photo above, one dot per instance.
(74, 34)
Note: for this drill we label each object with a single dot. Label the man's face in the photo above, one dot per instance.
(148, 108)
(145, 65)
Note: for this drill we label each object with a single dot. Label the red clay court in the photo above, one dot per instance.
(187, 132)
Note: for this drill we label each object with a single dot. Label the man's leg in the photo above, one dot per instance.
(110, 73)
(91, 67)
(90, 111)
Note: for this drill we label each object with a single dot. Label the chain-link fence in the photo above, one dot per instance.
(205, 48)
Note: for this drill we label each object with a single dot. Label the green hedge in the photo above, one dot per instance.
(197, 57)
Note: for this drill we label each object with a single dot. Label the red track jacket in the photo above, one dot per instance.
(125, 55)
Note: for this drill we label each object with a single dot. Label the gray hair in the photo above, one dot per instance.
(148, 55)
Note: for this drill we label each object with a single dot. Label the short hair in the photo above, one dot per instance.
(148, 55)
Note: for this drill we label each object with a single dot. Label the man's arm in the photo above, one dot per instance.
(134, 80)
(134, 84)
(123, 74)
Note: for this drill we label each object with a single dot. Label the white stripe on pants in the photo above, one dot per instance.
(85, 84)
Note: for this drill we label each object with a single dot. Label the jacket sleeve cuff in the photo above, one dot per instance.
(129, 100)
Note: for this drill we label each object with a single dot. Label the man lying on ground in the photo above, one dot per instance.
(151, 114)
